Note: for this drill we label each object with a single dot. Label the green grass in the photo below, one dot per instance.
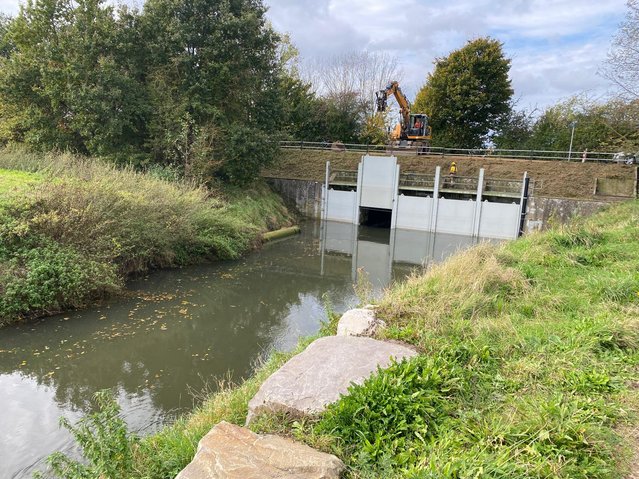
(528, 369)
(73, 229)
(11, 180)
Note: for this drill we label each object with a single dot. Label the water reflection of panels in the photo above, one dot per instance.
(420, 247)
(339, 237)
(375, 259)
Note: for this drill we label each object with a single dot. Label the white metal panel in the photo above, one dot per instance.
(378, 181)
(499, 220)
(414, 213)
(341, 206)
(455, 216)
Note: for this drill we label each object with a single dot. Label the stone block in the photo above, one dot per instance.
(232, 452)
(316, 377)
(359, 322)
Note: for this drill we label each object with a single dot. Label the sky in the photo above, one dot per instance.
(556, 46)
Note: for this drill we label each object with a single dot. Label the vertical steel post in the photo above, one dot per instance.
(478, 205)
(325, 190)
(523, 205)
(395, 199)
(358, 193)
(435, 205)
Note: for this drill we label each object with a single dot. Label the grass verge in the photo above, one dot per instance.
(72, 229)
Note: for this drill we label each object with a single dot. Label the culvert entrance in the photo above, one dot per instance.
(375, 217)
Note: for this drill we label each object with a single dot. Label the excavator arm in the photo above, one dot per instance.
(394, 89)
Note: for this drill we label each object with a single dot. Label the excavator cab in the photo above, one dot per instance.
(418, 127)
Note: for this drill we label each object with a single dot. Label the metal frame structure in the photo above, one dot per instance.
(593, 156)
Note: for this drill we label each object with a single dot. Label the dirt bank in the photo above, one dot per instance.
(553, 178)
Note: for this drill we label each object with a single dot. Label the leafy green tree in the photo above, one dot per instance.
(515, 131)
(374, 130)
(6, 46)
(610, 126)
(212, 63)
(468, 94)
(71, 81)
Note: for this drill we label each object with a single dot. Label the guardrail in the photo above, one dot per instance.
(575, 156)
(426, 182)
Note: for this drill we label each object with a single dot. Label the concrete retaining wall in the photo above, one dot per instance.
(304, 194)
(544, 212)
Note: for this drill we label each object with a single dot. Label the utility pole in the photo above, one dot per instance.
(572, 136)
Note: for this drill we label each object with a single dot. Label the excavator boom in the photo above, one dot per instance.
(393, 89)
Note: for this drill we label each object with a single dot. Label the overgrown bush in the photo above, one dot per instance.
(74, 231)
(244, 152)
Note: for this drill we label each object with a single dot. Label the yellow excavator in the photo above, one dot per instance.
(413, 128)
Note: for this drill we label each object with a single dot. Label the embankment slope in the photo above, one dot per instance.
(559, 179)
(528, 368)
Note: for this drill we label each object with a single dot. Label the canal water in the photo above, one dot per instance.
(179, 331)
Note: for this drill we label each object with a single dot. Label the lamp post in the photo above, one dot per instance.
(572, 136)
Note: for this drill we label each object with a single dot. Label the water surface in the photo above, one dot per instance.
(180, 330)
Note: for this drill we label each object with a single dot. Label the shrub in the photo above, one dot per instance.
(77, 228)
(245, 151)
(51, 277)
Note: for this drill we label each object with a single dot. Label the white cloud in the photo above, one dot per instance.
(557, 46)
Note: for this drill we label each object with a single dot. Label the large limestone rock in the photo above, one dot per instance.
(359, 322)
(233, 452)
(322, 372)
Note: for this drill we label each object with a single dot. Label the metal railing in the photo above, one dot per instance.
(346, 177)
(576, 156)
(426, 182)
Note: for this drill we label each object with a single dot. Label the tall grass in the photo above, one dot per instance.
(76, 227)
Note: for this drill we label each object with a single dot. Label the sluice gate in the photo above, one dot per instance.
(379, 194)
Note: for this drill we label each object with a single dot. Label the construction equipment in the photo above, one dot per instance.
(413, 128)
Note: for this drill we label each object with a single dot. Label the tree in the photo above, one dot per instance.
(622, 65)
(468, 94)
(6, 46)
(515, 130)
(359, 73)
(71, 81)
(212, 67)
(609, 126)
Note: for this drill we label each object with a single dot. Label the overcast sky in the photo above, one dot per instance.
(556, 46)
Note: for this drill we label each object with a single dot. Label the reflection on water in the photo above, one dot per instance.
(386, 255)
(183, 328)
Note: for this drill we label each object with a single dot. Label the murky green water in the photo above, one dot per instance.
(181, 329)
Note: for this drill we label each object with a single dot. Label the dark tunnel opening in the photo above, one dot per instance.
(377, 218)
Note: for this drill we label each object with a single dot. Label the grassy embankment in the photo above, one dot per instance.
(528, 369)
(73, 229)
(558, 179)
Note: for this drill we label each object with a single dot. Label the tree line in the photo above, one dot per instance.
(204, 84)
(210, 86)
